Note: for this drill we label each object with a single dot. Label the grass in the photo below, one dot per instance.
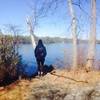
(50, 85)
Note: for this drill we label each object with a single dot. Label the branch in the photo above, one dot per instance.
(79, 5)
(68, 78)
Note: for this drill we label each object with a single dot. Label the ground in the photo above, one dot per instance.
(61, 85)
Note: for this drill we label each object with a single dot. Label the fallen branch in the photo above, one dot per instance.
(68, 78)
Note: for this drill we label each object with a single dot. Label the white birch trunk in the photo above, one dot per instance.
(31, 30)
(74, 34)
(92, 37)
(33, 41)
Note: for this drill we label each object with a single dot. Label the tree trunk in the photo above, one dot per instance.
(92, 37)
(74, 34)
(31, 30)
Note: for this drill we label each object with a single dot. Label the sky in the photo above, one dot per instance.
(56, 24)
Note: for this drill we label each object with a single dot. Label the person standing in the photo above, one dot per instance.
(40, 54)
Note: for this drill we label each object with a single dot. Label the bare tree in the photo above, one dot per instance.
(40, 9)
(92, 36)
(74, 33)
(14, 30)
(33, 20)
(31, 28)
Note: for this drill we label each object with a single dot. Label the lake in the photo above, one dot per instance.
(58, 54)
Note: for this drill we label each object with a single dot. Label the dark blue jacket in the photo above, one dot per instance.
(40, 51)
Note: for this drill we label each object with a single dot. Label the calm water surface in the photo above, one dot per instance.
(58, 54)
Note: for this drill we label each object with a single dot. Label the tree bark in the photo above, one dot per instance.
(31, 30)
(74, 34)
(92, 37)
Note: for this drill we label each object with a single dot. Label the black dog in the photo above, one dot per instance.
(47, 69)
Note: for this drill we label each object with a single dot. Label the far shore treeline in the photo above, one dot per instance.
(47, 40)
